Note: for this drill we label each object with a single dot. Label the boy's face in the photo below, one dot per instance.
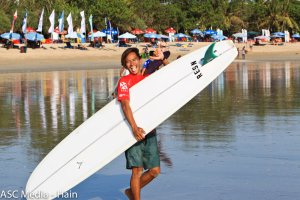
(133, 63)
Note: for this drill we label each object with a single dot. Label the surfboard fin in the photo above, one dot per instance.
(209, 54)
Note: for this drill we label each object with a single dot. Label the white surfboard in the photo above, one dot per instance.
(106, 134)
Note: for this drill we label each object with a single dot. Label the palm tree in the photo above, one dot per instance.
(277, 16)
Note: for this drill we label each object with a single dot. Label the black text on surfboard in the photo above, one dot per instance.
(196, 69)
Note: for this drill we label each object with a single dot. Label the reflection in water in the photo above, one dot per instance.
(258, 89)
(39, 109)
(37, 105)
(57, 102)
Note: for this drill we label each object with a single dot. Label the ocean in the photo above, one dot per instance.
(238, 139)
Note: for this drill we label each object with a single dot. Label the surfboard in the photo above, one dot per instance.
(107, 134)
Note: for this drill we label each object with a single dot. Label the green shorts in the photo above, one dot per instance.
(143, 153)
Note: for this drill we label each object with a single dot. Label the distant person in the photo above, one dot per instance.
(146, 52)
(143, 155)
(157, 58)
(251, 45)
(158, 53)
(244, 53)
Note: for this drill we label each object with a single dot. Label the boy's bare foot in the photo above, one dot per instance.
(129, 193)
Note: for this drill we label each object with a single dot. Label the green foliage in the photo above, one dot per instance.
(4, 22)
(182, 15)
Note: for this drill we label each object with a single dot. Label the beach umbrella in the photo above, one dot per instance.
(163, 36)
(98, 34)
(56, 30)
(170, 30)
(180, 35)
(33, 36)
(72, 35)
(127, 36)
(238, 35)
(151, 35)
(112, 31)
(196, 32)
(210, 32)
(262, 37)
(277, 36)
(29, 30)
(13, 36)
(278, 33)
(150, 30)
(219, 37)
(296, 35)
(137, 31)
(252, 33)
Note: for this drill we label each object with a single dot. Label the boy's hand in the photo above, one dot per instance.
(139, 133)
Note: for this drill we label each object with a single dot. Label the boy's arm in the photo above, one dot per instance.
(137, 131)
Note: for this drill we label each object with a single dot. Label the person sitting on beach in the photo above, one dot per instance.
(146, 52)
(159, 53)
(150, 66)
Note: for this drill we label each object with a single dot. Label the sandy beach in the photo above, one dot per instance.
(55, 57)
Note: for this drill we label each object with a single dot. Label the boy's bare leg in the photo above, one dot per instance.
(139, 180)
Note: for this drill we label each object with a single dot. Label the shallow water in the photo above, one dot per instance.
(237, 139)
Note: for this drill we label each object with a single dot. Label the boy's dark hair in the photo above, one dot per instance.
(127, 52)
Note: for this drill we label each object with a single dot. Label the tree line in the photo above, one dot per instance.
(183, 15)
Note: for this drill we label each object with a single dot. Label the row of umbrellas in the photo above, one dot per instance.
(32, 36)
(172, 30)
(282, 35)
(274, 35)
(151, 35)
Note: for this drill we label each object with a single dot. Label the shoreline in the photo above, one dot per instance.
(55, 58)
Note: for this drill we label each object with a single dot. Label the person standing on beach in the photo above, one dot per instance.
(144, 153)
(244, 53)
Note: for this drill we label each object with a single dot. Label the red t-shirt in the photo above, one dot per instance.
(125, 83)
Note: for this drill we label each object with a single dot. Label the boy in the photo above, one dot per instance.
(144, 154)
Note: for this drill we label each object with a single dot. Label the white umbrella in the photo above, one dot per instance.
(239, 35)
(72, 35)
(262, 37)
(127, 36)
(98, 34)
